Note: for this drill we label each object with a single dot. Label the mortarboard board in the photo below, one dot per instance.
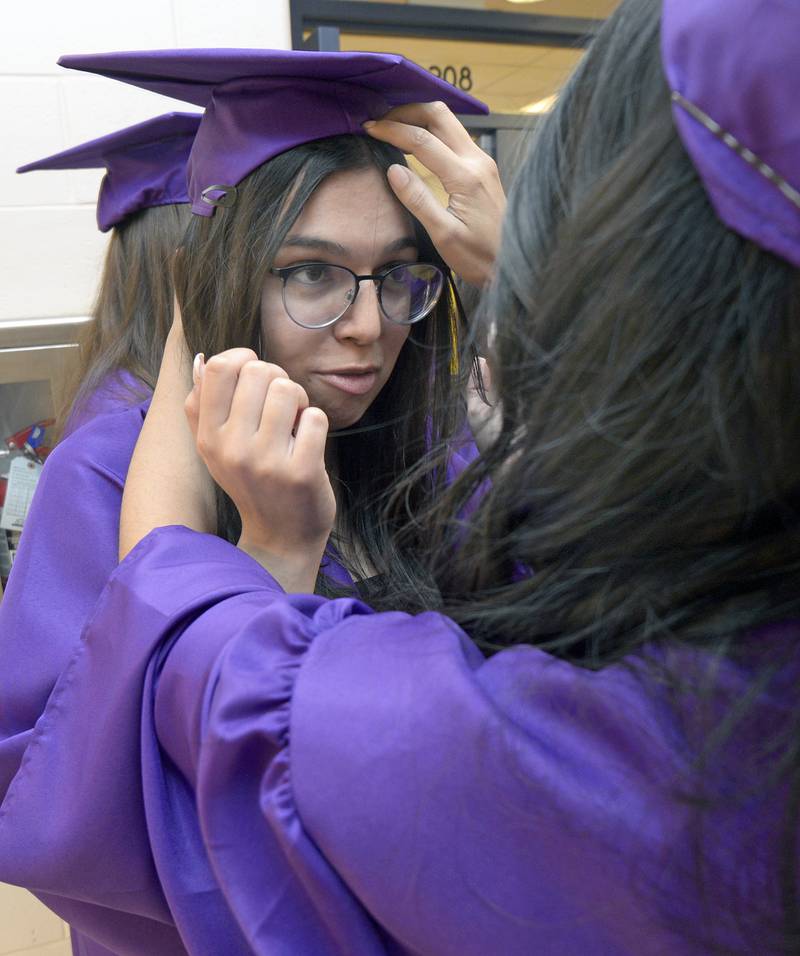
(259, 103)
(733, 67)
(145, 165)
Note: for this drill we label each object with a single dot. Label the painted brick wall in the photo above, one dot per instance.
(49, 246)
(50, 249)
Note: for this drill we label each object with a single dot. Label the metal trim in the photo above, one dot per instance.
(440, 22)
(42, 333)
(228, 198)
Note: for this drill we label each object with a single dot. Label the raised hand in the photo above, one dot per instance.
(467, 232)
(265, 447)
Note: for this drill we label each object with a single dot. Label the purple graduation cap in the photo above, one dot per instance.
(145, 165)
(259, 103)
(733, 68)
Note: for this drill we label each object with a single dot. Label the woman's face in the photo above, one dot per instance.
(351, 220)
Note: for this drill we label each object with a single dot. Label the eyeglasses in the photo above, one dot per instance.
(317, 294)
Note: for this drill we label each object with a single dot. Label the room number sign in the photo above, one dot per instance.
(460, 77)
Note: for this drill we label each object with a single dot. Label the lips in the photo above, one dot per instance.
(351, 381)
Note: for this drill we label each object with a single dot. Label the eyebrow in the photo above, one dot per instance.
(336, 249)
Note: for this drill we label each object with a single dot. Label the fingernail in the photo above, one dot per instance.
(398, 175)
(369, 124)
(197, 368)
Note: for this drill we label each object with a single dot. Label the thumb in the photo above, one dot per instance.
(191, 406)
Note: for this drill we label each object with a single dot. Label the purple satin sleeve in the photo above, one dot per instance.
(86, 852)
(67, 551)
(116, 392)
(478, 806)
(282, 774)
(66, 554)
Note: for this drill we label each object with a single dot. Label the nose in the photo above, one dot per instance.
(362, 322)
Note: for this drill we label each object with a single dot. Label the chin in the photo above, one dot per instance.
(342, 414)
(338, 421)
(345, 414)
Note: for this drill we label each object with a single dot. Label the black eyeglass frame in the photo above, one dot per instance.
(285, 272)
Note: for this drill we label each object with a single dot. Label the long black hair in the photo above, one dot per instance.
(644, 488)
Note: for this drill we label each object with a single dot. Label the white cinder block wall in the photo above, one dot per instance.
(49, 245)
(50, 249)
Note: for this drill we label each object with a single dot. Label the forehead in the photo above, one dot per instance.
(352, 207)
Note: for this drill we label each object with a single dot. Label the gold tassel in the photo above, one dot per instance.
(453, 311)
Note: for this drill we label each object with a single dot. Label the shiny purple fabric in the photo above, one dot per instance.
(259, 103)
(116, 392)
(282, 775)
(67, 552)
(738, 61)
(145, 165)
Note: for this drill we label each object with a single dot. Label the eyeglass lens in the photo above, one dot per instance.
(317, 294)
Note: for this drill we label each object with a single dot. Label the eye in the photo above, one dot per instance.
(315, 273)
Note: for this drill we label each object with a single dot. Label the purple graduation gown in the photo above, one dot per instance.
(255, 772)
(68, 549)
(66, 555)
(67, 552)
(117, 391)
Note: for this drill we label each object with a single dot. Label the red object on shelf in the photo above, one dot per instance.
(31, 440)
(31, 435)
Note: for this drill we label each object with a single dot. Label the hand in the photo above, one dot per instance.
(265, 447)
(485, 420)
(467, 233)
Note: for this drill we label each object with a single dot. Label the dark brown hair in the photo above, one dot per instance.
(132, 313)
(648, 467)
(220, 276)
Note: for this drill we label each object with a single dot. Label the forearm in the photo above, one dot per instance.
(167, 482)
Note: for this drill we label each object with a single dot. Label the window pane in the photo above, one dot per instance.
(510, 77)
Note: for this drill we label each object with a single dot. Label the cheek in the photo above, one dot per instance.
(283, 342)
(271, 310)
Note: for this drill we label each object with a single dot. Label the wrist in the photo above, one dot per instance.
(296, 571)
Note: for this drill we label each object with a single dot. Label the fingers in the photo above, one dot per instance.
(425, 146)
(434, 117)
(220, 378)
(238, 399)
(310, 437)
(421, 203)
(285, 402)
(211, 408)
(249, 397)
(192, 404)
(466, 233)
